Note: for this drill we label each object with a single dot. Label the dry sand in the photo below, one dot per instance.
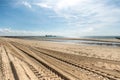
(103, 52)
(44, 60)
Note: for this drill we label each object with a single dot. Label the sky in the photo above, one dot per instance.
(71, 18)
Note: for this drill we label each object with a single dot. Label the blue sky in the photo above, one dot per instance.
(71, 18)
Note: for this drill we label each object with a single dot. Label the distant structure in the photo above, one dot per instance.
(50, 36)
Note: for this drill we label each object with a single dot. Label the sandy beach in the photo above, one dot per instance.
(103, 52)
(94, 62)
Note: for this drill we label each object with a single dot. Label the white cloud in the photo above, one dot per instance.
(27, 4)
(84, 15)
(5, 30)
(88, 29)
(12, 32)
(42, 5)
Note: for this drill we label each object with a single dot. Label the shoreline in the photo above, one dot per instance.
(85, 41)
